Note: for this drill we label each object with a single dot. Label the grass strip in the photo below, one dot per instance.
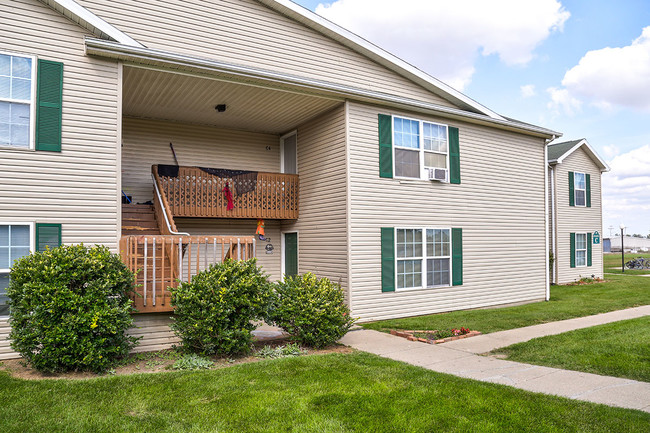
(330, 393)
(617, 293)
(620, 349)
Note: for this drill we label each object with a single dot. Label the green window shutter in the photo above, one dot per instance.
(572, 194)
(457, 257)
(385, 146)
(49, 96)
(588, 249)
(47, 235)
(387, 259)
(573, 249)
(454, 156)
(588, 181)
(290, 254)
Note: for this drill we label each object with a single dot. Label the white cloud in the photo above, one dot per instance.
(562, 102)
(445, 38)
(528, 90)
(614, 76)
(610, 151)
(626, 191)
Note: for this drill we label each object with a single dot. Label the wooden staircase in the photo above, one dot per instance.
(139, 219)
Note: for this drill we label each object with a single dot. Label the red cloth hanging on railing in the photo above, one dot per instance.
(228, 194)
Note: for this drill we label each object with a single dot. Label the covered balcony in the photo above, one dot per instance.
(203, 158)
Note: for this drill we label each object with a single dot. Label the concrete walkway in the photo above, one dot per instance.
(462, 360)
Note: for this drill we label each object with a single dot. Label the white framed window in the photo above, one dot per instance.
(16, 241)
(581, 249)
(423, 258)
(17, 100)
(580, 189)
(419, 148)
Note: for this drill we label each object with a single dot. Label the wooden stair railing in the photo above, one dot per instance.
(150, 259)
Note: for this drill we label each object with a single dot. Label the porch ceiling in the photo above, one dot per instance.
(177, 97)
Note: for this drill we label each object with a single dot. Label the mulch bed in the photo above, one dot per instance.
(155, 362)
(430, 336)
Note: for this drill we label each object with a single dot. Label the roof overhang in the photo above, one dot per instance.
(181, 63)
(384, 58)
(588, 149)
(90, 21)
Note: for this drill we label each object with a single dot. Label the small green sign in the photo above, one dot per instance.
(596, 237)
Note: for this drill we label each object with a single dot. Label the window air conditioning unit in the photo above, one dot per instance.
(439, 174)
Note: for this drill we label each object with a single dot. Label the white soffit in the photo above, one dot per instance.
(90, 21)
(368, 49)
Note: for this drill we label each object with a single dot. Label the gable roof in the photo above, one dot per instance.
(90, 21)
(372, 51)
(557, 152)
(117, 44)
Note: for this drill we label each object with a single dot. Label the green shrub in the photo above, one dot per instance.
(192, 362)
(70, 308)
(311, 310)
(214, 312)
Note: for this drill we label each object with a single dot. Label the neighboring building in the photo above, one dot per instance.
(630, 243)
(366, 170)
(575, 209)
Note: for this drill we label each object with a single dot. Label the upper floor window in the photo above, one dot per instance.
(17, 78)
(580, 189)
(420, 149)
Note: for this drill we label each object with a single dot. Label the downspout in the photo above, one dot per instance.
(546, 227)
(554, 226)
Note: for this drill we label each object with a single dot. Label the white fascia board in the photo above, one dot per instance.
(368, 49)
(170, 62)
(89, 20)
(590, 151)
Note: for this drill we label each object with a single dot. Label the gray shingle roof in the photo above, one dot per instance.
(555, 151)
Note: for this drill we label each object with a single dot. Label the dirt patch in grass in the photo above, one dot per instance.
(155, 362)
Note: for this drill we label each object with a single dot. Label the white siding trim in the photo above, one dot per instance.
(348, 204)
(546, 226)
(90, 21)
(118, 170)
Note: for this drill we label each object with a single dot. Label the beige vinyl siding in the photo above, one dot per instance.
(77, 187)
(5, 349)
(153, 328)
(270, 262)
(146, 142)
(574, 219)
(246, 32)
(322, 226)
(499, 206)
(155, 332)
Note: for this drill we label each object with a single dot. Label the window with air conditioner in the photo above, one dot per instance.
(421, 149)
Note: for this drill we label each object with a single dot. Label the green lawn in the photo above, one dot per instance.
(620, 349)
(619, 292)
(330, 393)
(613, 261)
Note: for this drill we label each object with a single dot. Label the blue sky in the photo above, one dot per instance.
(578, 67)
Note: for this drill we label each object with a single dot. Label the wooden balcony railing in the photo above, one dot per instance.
(160, 262)
(197, 192)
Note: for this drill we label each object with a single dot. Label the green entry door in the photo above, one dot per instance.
(290, 254)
